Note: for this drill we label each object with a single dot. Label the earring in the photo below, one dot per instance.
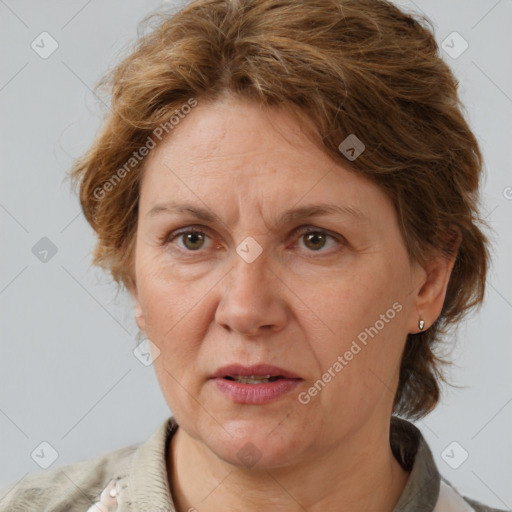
(421, 324)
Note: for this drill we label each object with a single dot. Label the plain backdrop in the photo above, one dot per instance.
(68, 374)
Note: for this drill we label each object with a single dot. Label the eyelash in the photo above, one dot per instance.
(299, 232)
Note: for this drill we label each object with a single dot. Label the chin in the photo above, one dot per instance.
(255, 454)
(259, 443)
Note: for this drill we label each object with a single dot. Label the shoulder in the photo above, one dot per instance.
(426, 488)
(479, 507)
(73, 487)
(450, 499)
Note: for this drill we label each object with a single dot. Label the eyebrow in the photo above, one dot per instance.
(289, 216)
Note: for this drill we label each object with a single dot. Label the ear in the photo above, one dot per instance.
(139, 317)
(432, 283)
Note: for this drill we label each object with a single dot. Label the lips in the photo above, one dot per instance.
(234, 371)
(254, 385)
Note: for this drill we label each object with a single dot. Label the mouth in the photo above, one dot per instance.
(253, 379)
(254, 374)
(254, 385)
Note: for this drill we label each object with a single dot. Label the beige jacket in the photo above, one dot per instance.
(134, 479)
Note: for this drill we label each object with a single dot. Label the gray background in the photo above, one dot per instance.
(68, 375)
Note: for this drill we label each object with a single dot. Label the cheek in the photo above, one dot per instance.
(163, 299)
(174, 316)
(359, 301)
(367, 318)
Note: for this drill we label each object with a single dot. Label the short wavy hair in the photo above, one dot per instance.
(361, 67)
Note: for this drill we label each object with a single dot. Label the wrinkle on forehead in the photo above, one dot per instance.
(208, 134)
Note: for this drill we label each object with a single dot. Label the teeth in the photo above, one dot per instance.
(252, 379)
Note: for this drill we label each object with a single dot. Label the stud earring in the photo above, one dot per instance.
(421, 324)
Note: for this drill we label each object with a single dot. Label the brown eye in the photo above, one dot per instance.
(186, 242)
(192, 240)
(314, 240)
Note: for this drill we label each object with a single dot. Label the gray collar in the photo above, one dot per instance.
(147, 486)
(411, 450)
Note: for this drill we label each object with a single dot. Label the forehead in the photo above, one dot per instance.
(232, 129)
(237, 149)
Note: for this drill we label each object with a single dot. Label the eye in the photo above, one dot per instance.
(192, 239)
(316, 239)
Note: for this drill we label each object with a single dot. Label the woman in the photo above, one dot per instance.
(288, 191)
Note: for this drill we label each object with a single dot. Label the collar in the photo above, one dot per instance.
(145, 486)
(421, 491)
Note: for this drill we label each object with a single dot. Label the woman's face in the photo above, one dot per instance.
(251, 287)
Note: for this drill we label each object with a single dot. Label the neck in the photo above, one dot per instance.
(360, 474)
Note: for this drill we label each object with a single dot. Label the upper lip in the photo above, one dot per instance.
(257, 370)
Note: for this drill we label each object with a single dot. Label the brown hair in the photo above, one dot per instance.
(359, 67)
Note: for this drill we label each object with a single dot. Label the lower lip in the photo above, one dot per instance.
(255, 394)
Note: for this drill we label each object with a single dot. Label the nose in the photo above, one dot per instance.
(252, 301)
